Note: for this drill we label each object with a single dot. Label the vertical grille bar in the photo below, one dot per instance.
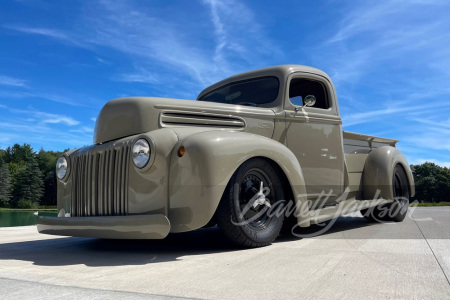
(94, 183)
(123, 203)
(86, 184)
(115, 186)
(110, 184)
(84, 193)
(89, 184)
(82, 186)
(100, 181)
(107, 183)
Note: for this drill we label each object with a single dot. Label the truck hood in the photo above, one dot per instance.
(129, 116)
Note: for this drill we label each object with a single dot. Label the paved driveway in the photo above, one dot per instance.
(352, 260)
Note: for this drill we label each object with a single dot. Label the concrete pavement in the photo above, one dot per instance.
(353, 259)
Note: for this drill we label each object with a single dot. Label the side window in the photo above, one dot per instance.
(301, 87)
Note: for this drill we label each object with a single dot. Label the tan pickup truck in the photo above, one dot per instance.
(257, 152)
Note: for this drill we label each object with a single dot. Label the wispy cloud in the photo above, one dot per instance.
(389, 63)
(437, 162)
(72, 38)
(148, 39)
(84, 130)
(42, 128)
(238, 34)
(141, 76)
(406, 20)
(365, 18)
(34, 93)
(372, 115)
(57, 119)
(73, 101)
(103, 61)
(43, 118)
(11, 81)
(393, 33)
(436, 125)
(240, 43)
(219, 29)
(26, 132)
(431, 134)
(52, 33)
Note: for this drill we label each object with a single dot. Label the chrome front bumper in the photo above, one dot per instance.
(107, 227)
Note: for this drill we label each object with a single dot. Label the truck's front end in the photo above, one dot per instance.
(133, 183)
(116, 188)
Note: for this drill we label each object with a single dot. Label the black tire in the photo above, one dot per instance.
(373, 214)
(240, 222)
(397, 210)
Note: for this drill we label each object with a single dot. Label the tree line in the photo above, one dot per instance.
(432, 182)
(28, 178)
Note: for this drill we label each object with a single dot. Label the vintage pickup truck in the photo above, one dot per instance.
(256, 150)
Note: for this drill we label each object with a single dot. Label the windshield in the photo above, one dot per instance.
(251, 92)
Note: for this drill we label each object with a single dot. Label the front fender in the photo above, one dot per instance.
(199, 178)
(378, 172)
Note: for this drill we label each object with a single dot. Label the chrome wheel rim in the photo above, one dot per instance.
(252, 205)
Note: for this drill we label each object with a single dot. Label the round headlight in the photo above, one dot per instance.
(61, 167)
(141, 153)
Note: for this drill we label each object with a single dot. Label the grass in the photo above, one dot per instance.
(41, 208)
(429, 204)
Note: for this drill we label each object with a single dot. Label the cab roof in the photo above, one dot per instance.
(281, 71)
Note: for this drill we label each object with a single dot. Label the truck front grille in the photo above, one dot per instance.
(100, 181)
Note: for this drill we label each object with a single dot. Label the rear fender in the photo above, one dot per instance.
(378, 172)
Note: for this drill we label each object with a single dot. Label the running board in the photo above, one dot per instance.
(345, 207)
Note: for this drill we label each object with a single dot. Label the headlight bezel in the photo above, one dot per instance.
(151, 156)
(67, 160)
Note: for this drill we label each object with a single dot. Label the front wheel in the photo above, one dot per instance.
(397, 210)
(251, 212)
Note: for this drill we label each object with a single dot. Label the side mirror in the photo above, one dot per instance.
(310, 100)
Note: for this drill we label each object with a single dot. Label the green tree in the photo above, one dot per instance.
(19, 154)
(47, 161)
(2, 154)
(443, 185)
(28, 186)
(432, 182)
(5, 183)
(17, 157)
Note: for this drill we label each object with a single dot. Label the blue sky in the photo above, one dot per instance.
(61, 61)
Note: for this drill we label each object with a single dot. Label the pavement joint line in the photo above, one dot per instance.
(429, 246)
(100, 290)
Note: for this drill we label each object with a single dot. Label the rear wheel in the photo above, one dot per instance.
(250, 212)
(397, 210)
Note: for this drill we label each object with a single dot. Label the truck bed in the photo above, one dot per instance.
(356, 148)
(361, 143)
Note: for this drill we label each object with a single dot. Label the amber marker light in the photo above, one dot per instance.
(181, 151)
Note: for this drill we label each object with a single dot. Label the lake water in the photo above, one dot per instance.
(21, 218)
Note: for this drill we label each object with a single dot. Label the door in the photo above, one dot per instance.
(314, 135)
